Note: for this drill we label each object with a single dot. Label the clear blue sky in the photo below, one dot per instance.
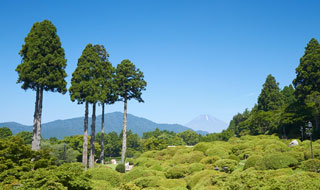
(197, 56)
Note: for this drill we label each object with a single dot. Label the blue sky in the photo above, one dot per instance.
(198, 57)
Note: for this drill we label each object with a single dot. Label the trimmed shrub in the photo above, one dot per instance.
(128, 186)
(138, 172)
(210, 160)
(151, 181)
(174, 183)
(234, 157)
(101, 185)
(297, 155)
(276, 161)
(176, 172)
(195, 167)
(121, 168)
(312, 165)
(105, 174)
(202, 147)
(226, 165)
(251, 162)
(217, 151)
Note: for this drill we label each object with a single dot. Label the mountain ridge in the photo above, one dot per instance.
(113, 122)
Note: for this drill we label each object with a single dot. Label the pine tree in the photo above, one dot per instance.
(42, 68)
(130, 84)
(270, 97)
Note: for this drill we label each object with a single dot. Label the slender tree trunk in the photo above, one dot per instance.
(35, 122)
(85, 138)
(93, 131)
(124, 141)
(39, 115)
(316, 118)
(102, 136)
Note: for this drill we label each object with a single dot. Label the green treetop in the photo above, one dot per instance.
(43, 59)
(83, 87)
(270, 97)
(308, 71)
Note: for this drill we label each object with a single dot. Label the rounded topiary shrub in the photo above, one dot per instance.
(312, 165)
(195, 167)
(276, 161)
(121, 168)
(176, 172)
(210, 160)
(226, 165)
(202, 147)
(105, 174)
(222, 153)
(251, 162)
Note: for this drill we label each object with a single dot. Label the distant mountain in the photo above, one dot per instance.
(207, 123)
(113, 122)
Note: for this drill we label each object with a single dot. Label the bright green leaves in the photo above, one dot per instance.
(43, 59)
(129, 81)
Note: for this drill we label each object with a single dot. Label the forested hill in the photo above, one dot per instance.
(113, 122)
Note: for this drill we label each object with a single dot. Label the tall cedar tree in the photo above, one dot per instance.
(307, 81)
(107, 91)
(130, 84)
(308, 71)
(42, 68)
(84, 88)
(270, 97)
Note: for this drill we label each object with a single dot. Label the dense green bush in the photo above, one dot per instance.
(202, 147)
(251, 162)
(121, 168)
(106, 174)
(66, 176)
(209, 160)
(177, 171)
(217, 151)
(226, 165)
(101, 185)
(151, 181)
(312, 165)
(138, 172)
(276, 161)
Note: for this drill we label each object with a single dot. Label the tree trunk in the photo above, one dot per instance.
(40, 115)
(124, 141)
(102, 136)
(316, 118)
(93, 131)
(85, 138)
(35, 122)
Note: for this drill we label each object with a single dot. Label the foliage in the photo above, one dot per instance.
(66, 176)
(312, 165)
(43, 59)
(121, 168)
(5, 132)
(226, 165)
(276, 161)
(189, 137)
(105, 174)
(251, 161)
(270, 97)
(154, 143)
